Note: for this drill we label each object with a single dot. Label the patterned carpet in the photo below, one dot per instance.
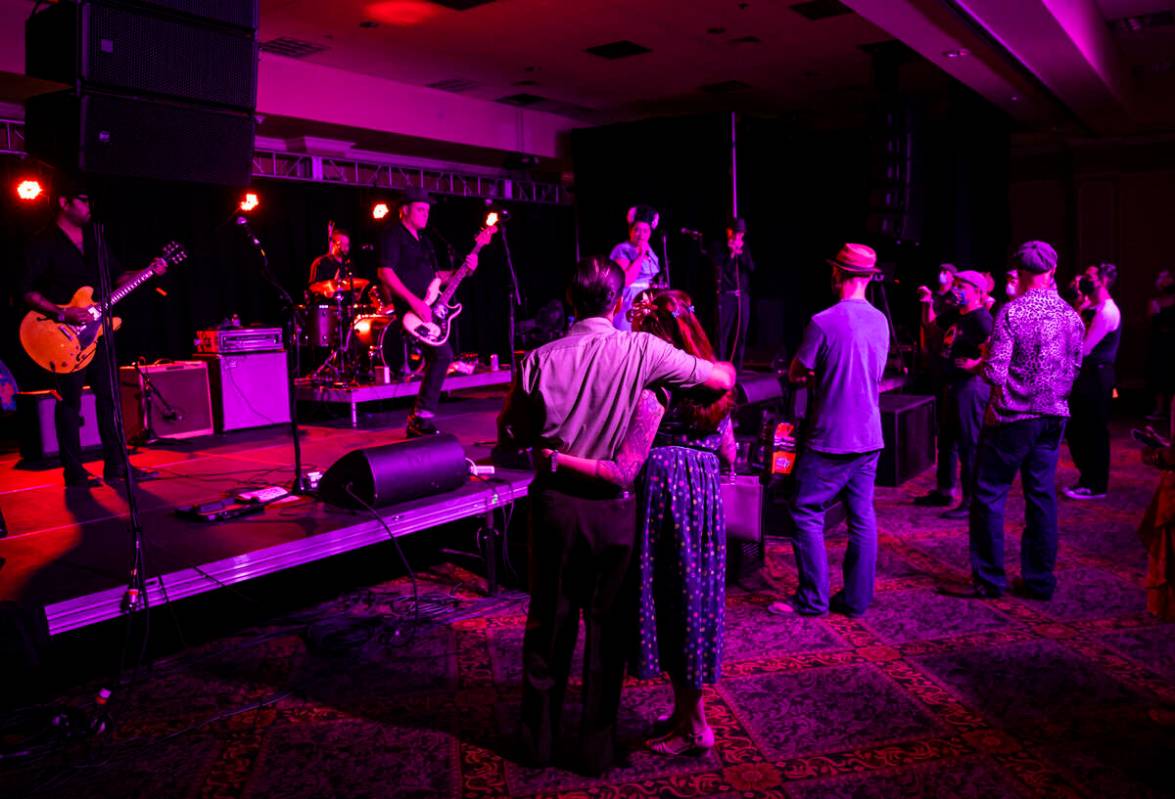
(924, 696)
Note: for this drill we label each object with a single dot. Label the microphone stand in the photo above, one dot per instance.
(665, 260)
(135, 599)
(148, 435)
(515, 302)
(300, 486)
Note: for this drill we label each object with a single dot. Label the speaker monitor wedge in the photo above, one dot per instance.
(393, 473)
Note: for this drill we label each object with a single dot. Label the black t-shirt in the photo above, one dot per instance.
(733, 272)
(55, 268)
(963, 339)
(412, 259)
(325, 268)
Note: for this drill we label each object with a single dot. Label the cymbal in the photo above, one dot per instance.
(329, 288)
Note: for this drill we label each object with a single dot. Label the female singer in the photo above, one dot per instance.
(637, 259)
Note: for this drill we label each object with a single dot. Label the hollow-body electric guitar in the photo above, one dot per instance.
(436, 332)
(61, 347)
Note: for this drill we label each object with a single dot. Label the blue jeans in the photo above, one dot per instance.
(820, 479)
(1030, 447)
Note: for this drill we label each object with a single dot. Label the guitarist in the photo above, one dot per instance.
(58, 261)
(407, 264)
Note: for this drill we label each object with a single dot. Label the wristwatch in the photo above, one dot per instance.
(554, 465)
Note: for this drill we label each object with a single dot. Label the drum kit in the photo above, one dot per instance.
(357, 335)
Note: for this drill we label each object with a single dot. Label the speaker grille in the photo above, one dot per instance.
(110, 135)
(144, 53)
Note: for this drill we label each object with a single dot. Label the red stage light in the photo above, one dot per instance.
(380, 210)
(250, 202)
(403, 12)
(29, 190)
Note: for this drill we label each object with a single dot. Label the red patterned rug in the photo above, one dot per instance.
(924, 696)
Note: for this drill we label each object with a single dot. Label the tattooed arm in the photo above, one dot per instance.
(621, 471)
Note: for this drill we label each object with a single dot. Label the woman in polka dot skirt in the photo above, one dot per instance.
(683, 528)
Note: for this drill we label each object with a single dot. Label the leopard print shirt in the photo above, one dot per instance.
(1033, 359)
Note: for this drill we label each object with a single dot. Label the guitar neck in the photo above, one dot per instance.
(122, 291)
(458, 276)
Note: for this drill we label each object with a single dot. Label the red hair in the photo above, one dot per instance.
(669, 315)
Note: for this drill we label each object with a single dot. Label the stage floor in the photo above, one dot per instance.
(69, 552)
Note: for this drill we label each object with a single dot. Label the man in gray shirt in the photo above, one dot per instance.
(841, 360)
(576, 395)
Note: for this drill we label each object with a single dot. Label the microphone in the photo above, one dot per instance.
(243, 224)
(694, 234)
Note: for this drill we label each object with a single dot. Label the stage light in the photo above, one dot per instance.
(380, 210)
(29, 190)
(403, 12)
(496, 216)
(250, 202)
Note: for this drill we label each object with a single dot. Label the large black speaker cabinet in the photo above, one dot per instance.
(110, 47)
(103, 134)
(396, 472)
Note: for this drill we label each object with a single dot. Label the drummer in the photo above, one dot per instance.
(336, 263)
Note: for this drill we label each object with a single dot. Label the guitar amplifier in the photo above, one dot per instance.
(248, 390)
(214, 340)
(38, 435)
(175, 394)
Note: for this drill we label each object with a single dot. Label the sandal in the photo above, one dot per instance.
(693, 744)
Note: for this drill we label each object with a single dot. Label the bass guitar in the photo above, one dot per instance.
(61, 347)
(437, 331)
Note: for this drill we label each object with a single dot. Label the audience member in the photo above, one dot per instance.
(1090, 404)
(842, 358)
(683, 527)
(1031, 364)
(577, 396)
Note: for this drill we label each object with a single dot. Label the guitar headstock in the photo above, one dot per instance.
(173, 253)
(486, 234)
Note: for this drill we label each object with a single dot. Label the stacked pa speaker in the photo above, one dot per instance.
(162, 89)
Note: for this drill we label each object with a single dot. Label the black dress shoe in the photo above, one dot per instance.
(1021, 589)
(119, 475)
(934, 499)
(838, 605)
(970, 591)
(421, 427)
(83, 480)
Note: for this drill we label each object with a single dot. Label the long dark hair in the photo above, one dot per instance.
(669, 315)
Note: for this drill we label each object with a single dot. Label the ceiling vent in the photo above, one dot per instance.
(821, 9)
(454, 85)
(619, 49)
(746, 40)
(522, 100)
(291, 48)
(1142, 22)
(462, 5)
(725, 87)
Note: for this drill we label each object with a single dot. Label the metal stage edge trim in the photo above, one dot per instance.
(83, 611)
(307, 391)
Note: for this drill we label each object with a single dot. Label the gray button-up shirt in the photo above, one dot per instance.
(579, 393)
(1034, 356)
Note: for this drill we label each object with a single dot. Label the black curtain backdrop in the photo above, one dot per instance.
(222, 276)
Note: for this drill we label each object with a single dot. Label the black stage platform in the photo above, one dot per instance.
(69, 552)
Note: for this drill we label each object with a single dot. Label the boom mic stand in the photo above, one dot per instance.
(299, 486)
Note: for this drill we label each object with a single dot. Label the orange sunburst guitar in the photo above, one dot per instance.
(61, 347)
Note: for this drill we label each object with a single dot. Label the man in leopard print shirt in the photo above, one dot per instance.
(1034, 356)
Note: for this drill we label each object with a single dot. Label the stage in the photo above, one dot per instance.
(69, 552)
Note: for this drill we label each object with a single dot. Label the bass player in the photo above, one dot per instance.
(407, 264)
(59, 260)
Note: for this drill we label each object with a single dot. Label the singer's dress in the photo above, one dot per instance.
(649, 269)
